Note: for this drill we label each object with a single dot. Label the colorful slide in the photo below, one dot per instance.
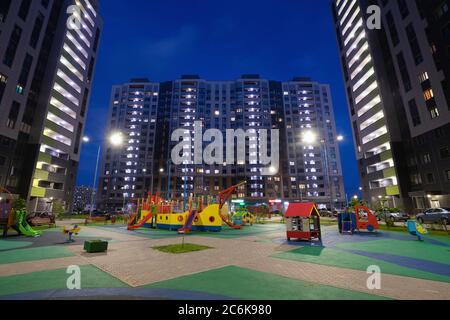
(22, 227)
(141, 223)
(228, 222)
(188, 225)
(416, 229)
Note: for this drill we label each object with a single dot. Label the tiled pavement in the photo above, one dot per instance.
(132, 260)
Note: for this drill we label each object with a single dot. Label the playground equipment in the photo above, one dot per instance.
(303, 222)
(243, 217)
(361, 219)
(416, 229)
(145, 212)
(6, 212)
(155, 212)
(22, 227)
(70, 232)
(224, 196)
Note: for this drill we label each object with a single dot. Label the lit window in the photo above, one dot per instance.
(428, 94)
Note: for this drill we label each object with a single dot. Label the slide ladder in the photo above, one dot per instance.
(188, 225)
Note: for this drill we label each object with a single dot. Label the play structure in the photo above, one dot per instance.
(22, 227)
(303, 222)
(14, 219)
(6, 212)
(75, 230)
(242, 217)
(416, 229)
(157, 213)
(361, 220)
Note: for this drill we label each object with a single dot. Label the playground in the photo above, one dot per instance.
(296, 259)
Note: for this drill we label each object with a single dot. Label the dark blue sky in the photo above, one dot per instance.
(162, 39)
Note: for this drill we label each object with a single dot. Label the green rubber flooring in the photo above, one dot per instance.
(9, 245)
(91, 277)
(34, 254)
(341, 259)
(239, 283)
(412, 249)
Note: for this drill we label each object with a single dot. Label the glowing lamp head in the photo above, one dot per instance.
(116, 139)
(309, 137)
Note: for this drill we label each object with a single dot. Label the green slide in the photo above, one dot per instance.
(23, 227)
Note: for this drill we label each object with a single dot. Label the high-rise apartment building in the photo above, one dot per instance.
(46, 70)
(147, 113)
(398, 94)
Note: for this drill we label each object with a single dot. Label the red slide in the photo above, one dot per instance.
(141, 223)
(229, 223)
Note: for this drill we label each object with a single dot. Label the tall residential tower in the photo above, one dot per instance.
(46, 71)
(149, 112)
(398, 95)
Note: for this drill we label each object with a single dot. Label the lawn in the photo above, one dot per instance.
(181, 248)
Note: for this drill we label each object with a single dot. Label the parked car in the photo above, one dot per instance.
(326, 213)
(436, 215)
(399, 216)
(36, 219)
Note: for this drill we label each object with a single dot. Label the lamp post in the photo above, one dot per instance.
(115, 140)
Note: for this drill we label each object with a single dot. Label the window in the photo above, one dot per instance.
(403, 7)
(392, 28)
(428, 94)
(414, 112)
(447, 175)
(13, 115)
(3, 82)
(445, 153)
(404, 72)
(13, 43)
(430, 178)
(423, 77)
(24, 9)
(4, 8)
(414, 44)
(38, 24)
(434, 112)
(426, 158)
(26, 67)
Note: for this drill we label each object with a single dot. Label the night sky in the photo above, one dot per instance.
(219, 40)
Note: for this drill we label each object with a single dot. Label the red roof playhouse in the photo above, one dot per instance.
(303, 222)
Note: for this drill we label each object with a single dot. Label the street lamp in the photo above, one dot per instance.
(116, 139)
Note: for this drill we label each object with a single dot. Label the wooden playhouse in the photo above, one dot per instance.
(303, 222)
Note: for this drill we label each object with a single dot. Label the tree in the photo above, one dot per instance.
(19, 205)
(57, 208)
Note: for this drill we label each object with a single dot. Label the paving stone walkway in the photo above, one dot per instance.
(132, 260)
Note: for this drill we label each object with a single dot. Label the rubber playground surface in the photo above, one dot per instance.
(253, 263)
